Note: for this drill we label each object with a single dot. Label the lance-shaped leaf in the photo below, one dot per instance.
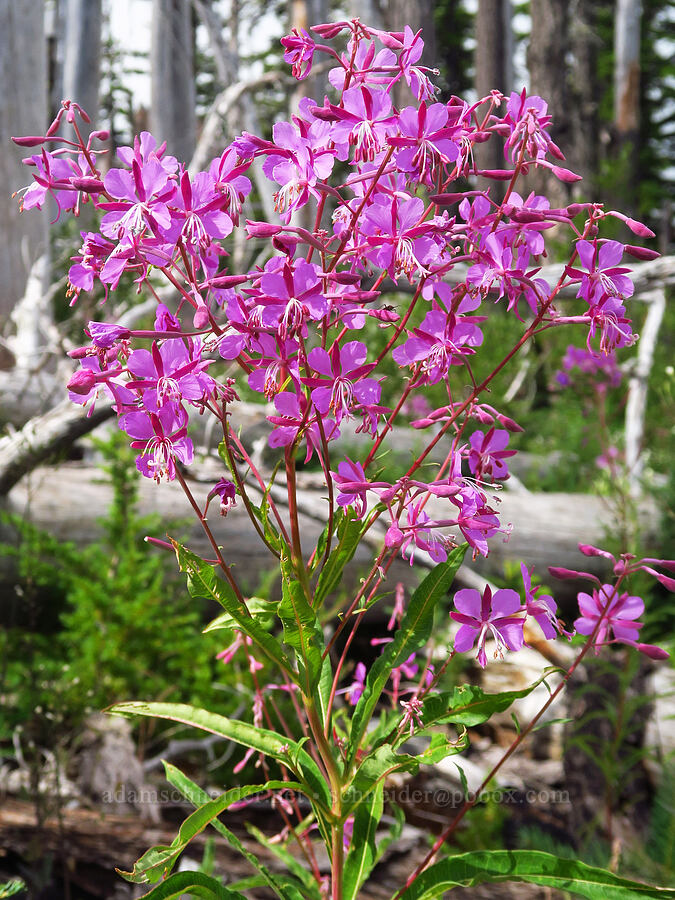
(412, 634)
(158, 861)
(195, 795)
(196, 883)
(302, 631)
(362, 854)
(532, 866)
(289, 753)
(349, 531)
(469, 705)
(204, 583)
(373, 769)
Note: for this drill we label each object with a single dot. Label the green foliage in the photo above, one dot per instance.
(11, 888)
(529, 866)
(610, 731)
(93, 637)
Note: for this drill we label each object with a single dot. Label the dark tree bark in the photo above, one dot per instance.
(172, 114)
(585, 46)
(370, 12)
(494, 52)
(23, 110)
(417, 14)
(547, 63)
(627, 96)
(82, 54)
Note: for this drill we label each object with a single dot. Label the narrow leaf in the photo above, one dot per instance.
(302, 631)
(194, 794)
(349, 530)
(198, 884)
(286, 751)
(532, 866)
(362, 853)
(204, 583)
(158, 861)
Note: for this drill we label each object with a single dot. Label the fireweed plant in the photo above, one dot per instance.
(399, 211)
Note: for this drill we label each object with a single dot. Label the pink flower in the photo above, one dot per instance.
(612, 612)
(299, 52)
(487, 615)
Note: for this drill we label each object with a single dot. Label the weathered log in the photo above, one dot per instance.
(69, 501)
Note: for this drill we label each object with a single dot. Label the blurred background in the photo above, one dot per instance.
(89, 614)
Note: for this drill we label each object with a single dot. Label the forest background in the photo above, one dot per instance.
(196, 74)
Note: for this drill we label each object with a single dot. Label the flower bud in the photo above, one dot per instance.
(509, 424)
(497, 174)
(652, 652)
(88, 184)
(565, 175)
(29, 141)
(262, 229)
(329, 30)
(82, 382)
(200, 319)
(641, 252)
(227, 281)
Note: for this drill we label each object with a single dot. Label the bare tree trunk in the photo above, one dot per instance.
(547, 63)
(172, 116)
(585, 45)
(417, 14)
(23, 110)
(369, 11)
(627, 94)
(494, 71)
(627, 67)
(82, 54)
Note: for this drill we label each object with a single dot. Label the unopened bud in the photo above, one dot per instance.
(87, 184)
(227, 281)
(29, 141)
(201, 318)
(641, 252)
(82, 382)
(497, 174)
(509, 424)
(565, 175)
(329, 30)
(652, 652)
(262, 229)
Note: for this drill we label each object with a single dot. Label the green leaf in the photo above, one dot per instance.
(413, 633)
(286, 751)
(11, 888)
(362, 853)
(194, 794)
(440, 747)
(374, 768)
(469, 705)
(198, 884)
(349, 531)
(158, 861)
(204, 583)
(263, 611)
(532, 866)
(302, 631)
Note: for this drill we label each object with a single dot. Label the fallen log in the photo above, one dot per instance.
(70, 500)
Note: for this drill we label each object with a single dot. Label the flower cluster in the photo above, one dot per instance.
(385, 188)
